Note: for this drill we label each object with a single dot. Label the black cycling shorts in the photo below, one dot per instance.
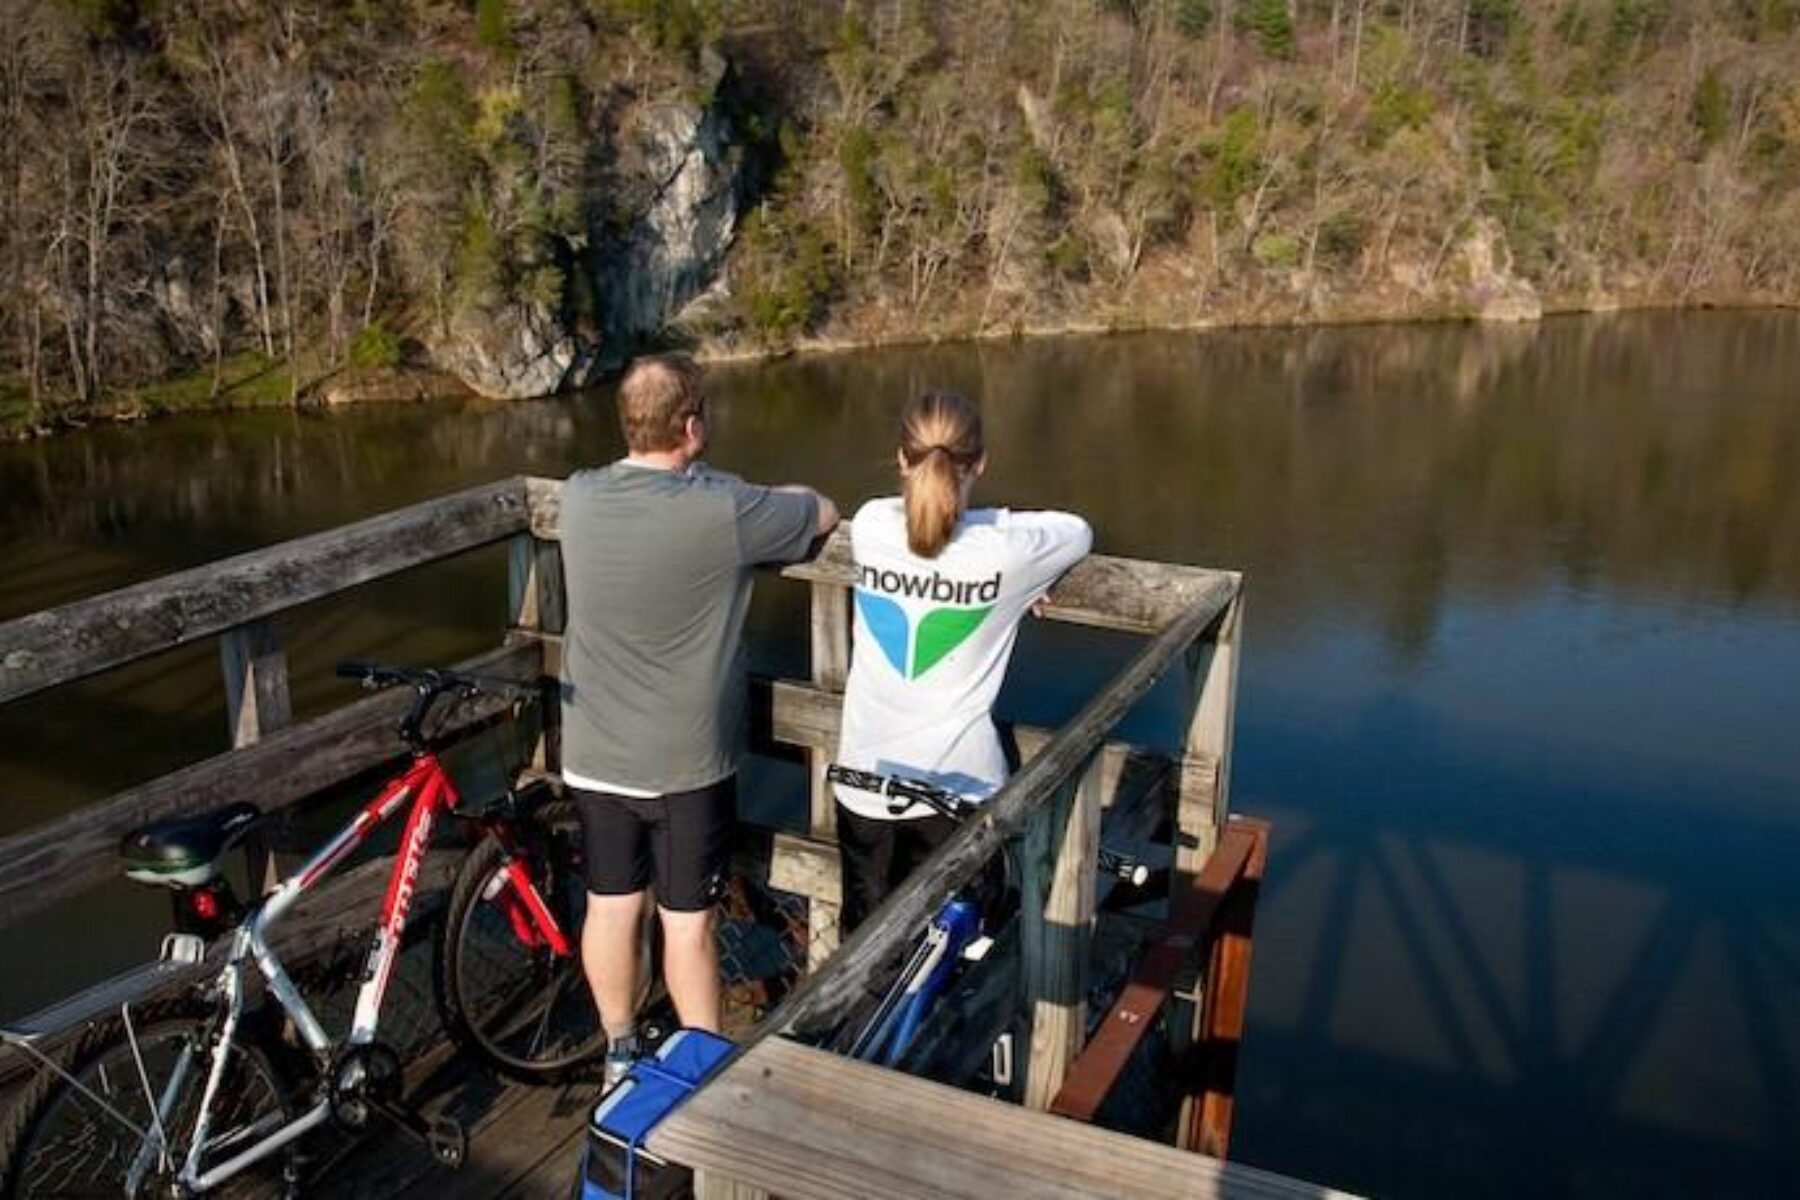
(679, 843)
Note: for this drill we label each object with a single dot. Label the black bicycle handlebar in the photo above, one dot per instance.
(902, 793)
(429, 684)
(1123, 867)
(436, 679)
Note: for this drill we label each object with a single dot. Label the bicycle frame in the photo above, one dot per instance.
(431, 795)
(889, 1033)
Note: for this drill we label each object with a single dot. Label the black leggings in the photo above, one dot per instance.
(878, 855)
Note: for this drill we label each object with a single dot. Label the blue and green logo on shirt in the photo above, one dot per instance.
(914, 648)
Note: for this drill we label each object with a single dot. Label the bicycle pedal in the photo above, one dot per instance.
(443, 1136)
(448, 1141)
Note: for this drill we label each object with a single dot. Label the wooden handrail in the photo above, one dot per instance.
(807, 1125)
(1126, 594)
(89, 636)
(1132, 595)
(846, 978)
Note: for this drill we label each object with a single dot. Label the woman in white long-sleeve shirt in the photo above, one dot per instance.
(940, 591)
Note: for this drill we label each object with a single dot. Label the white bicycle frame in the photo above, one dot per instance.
(435, 794)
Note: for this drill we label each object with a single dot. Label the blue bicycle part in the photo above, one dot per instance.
(953, 928)
(896, 1021)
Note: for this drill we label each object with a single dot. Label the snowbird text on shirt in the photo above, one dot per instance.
(929, 587)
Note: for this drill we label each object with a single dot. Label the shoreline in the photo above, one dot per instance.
(352, 387)
(1245, 319)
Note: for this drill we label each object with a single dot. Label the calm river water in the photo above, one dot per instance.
(1521, 694)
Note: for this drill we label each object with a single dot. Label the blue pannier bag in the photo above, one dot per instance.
(614, 1164)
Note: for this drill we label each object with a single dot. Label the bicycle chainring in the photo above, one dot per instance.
(364, 1080)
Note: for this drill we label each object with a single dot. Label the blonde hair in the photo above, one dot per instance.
(656, 397)
(940, 443)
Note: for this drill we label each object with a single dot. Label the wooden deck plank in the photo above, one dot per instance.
(808, 1124)
(551, 1177)
(514, 1129)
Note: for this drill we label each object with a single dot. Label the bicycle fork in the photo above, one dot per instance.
(527, 914)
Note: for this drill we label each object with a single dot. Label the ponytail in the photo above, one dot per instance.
(940, 443)
(933, 489)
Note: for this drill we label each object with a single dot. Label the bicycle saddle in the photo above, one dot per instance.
(185, 851)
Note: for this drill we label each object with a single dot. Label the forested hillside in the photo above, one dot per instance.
(235, 200)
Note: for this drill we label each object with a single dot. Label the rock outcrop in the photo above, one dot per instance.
(1497, 293)
(522, 350)
(672, 184)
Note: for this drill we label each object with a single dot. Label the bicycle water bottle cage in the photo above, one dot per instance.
(184, 852)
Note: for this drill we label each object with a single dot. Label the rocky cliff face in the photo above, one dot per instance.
(685, 213)
(658, 233)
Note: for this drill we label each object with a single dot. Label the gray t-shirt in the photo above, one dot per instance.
(658, 568)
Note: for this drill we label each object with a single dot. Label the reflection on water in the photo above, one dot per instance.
(1524, 631)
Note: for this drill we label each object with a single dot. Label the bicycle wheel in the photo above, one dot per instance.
(61, 1140)
(519, 1005)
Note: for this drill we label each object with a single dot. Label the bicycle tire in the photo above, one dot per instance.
(525, 1011)
(57, 1142)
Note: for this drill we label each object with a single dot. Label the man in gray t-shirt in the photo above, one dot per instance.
(658, 552)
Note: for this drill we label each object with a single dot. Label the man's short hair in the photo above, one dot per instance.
(657, 396)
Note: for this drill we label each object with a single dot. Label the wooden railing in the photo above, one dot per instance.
(1053, 806)
(1215, 911)
(1054, 803)
(237, 601)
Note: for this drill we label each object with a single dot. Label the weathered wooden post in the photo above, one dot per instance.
(830, 671)
(1056, 916)
(534, 584)
(256, 682)
(256, 702)
(536, 605)
(1203, 797)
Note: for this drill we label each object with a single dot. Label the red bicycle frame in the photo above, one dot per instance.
(426, 785)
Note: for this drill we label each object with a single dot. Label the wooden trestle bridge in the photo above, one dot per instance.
(785, 1117)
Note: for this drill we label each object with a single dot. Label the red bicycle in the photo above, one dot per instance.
(181, 1102)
